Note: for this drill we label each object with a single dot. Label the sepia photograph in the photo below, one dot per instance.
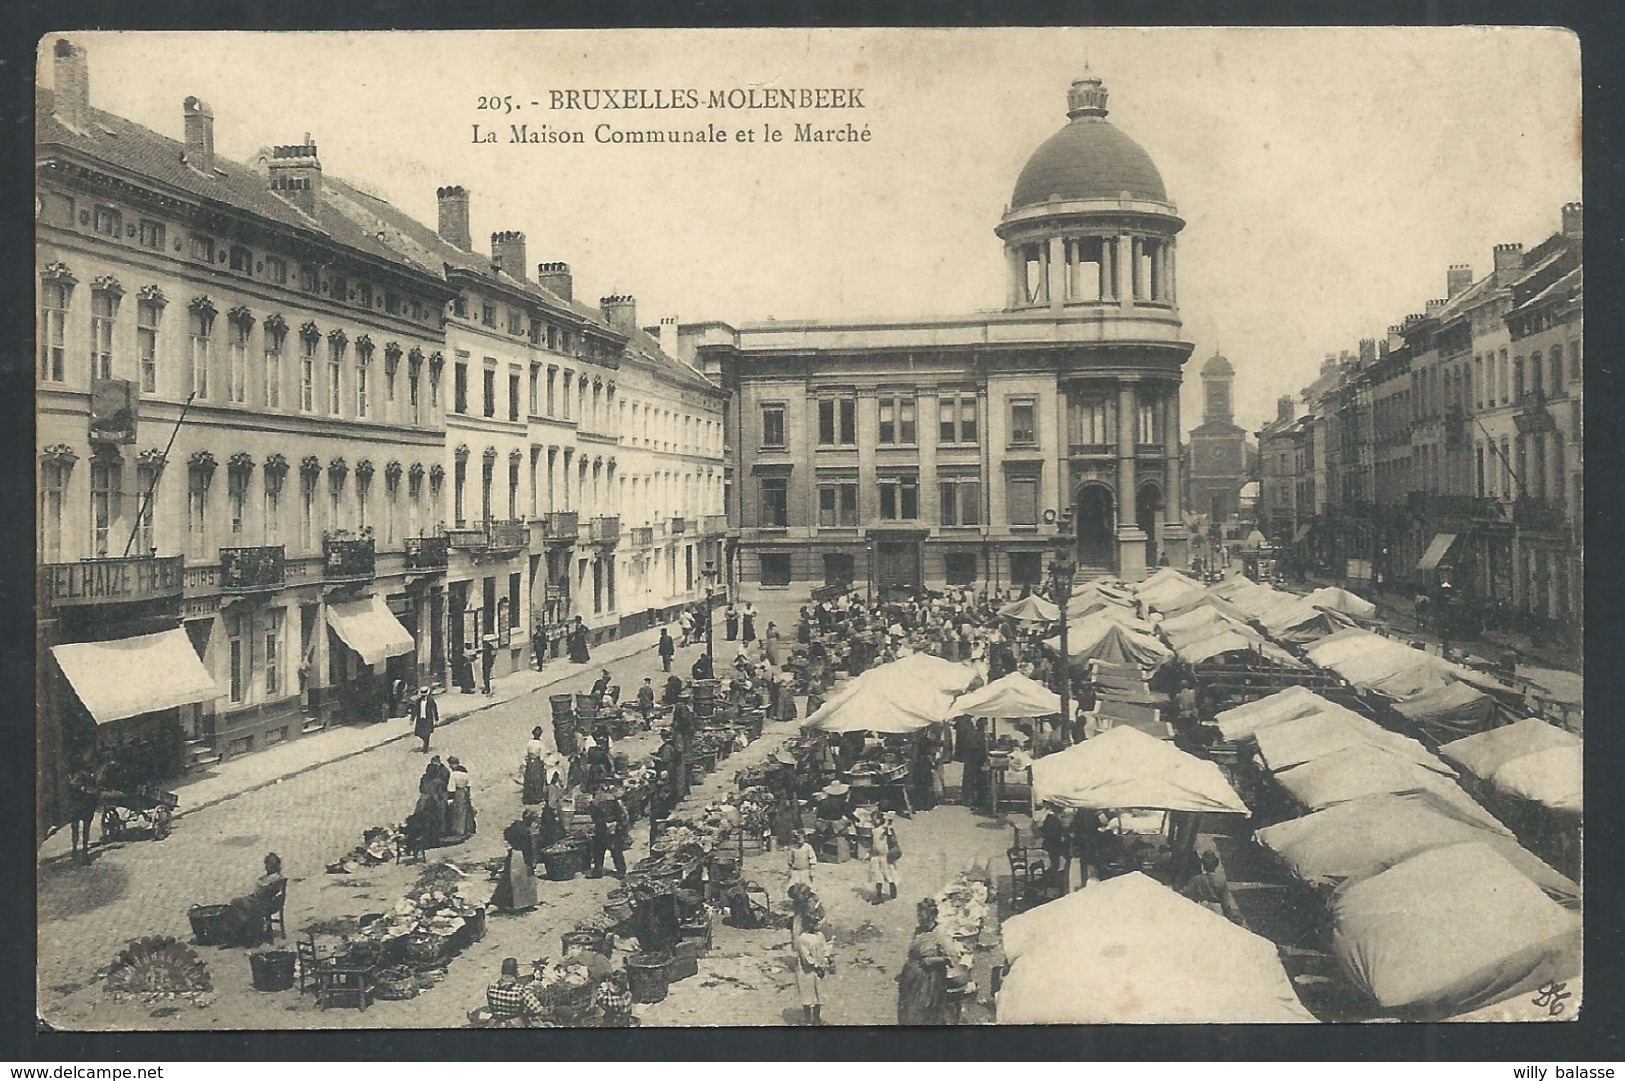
(808, 527)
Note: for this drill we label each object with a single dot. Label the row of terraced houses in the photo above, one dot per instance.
(329, 450)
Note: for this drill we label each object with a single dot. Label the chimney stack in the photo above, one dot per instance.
(1457, 278)
(620, 312)
(555, 278)
(199, 134)
(1508, 263)
(1285, 410)
(1434, 307)
(296, 174)
(668, 335)
(1574, 220)
(508, 253)
(71, 72)
(1396, 336)
(454, 216)
(1368, 350)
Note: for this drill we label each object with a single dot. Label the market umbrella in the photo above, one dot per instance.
(1364, 837)
(1449, 930)
(1124, 767)
(1014, 695)
(1334, 599)
(1031, 609)
(1131, 950)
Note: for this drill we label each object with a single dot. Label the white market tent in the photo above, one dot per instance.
(1245, 720)
(1553, 779)
(1369, 771)
(1031, 609)
(1113, 643)
(949, 677)
(1014, 695)
(1171, 590)
(1130, 950)
(1364, 837)
(900, 697)
(1334, 599)
(1123, 767)
(1098, 595)
(1333, 729)
(1450, 930)
(1300, 621)
(1259, 599)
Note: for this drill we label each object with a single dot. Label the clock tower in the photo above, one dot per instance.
(1218, 447)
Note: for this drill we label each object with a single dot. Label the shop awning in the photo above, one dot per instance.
(137, 675)
(370, 628)
(1302, 534)
(1437, 549)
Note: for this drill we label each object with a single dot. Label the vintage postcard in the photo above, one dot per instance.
(808, 527)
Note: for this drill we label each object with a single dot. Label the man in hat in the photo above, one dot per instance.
(600, 687)
(609, 829)
(646, 701)
(538, 645)
(488, 660)
(425, 716)
(685, 622)
(666, 648)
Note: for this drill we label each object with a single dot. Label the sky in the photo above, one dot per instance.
(1327, 177)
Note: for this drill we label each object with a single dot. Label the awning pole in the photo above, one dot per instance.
(163, 459)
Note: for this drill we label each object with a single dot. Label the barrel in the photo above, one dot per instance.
(273, 969)
(563, 863)
(646, 977)
(209, 924)
(564, 734)
(562, 705)
(586, 707)
(583, 937)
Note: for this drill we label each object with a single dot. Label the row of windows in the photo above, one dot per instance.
(959, 568)
(151, 233)
(959, 501)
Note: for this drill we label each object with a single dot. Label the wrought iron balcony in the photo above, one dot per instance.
(606, 528)
(714, 525)
(427, 553)
(561, 524)
(1541, 514)
(643, 536)
(1533, 417)
(679, 525)
(466, 538)
(348, 558)
(253, 569)
(506, 534)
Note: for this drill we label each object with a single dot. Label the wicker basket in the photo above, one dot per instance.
(423, 950)
(396, 983)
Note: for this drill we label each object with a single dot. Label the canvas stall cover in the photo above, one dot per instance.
(1366, 771)
(1014, 695)
(1334, 729)
(1124, 767)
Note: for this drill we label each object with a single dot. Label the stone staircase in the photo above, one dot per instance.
(201, 753)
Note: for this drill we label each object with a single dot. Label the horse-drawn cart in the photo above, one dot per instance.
(146, 809)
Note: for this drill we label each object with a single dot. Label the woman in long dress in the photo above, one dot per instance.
(578, 642)
(814, 959)
(516, 888)
(922, 985)
(535, 778)
(432, 802)
(245, 917)
(460, 820)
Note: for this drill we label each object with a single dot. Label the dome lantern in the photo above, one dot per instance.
(1087, 97)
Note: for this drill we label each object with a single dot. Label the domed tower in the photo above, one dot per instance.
(1090, 223)
(1089, 237)
(1217, 376)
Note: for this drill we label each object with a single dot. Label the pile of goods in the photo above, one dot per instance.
(554, 994)
(887, 766)
(159, 967)
(962, 907)
(380, 844)
(428, 925)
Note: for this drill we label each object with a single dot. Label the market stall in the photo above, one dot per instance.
(1449, 930)
(1331, 730)
(1532, 775)
(1124, 767)
(1368, 771)
(1334, 599)
(1243, 721)
(1031, 609)
(1131, 950)
(1449, 711)
(1110, 641)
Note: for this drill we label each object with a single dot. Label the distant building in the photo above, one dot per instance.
(1216, 466)
(928, 452)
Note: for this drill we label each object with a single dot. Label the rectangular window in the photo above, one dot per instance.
(490, 388)
(53, 493)
(1026, 568)
(488, 315)
(775, 568)
(837, 422)
(53, 331)
(459, 387)
(960, 568)
(237, 497)
(307, 510)
(363, 497)
(146, 494)
(513, 395)
(276, 270)
(839, 568)
(1023, 421)
(458, 491)
(202, 327)
(961, 501)
(773, 425)
(838, 504)
(335, 500)
(535, 383)
(273, 507)
(104, 500)
(775, 502)
(1146, 430)
(197, 512)
(1021, 500)
(899, 498)
(513, 489)
(242, 260)
(412, 395)
(552, 396)
(152, 234)
(273, 367)
(203, 247)
(1089, 421)
(307, 373)
(236, 660)
(272, 652)
(237, 386)
(363, 369)
(335, 376)
(896, 421)
(568, 376)
(363, 295)
(309, 278)
(108, 221)
(956, 418)
(103, 309)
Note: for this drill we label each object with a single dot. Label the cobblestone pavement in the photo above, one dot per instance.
(141, 888)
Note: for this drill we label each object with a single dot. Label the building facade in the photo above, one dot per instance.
(1216, 465)
(931, 452)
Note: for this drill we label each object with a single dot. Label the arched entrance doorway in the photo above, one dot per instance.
(1147, 510)
(1095, 513)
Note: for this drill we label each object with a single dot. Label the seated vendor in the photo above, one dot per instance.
(246, 916)
(510, 996)
(595, 961)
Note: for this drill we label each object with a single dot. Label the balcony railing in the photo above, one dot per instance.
(505, 534)
(606, 528)
(714, 525)
(427, 553)
(643, 536)
(1533, 417)
(1542, 514)
(678, 525)
(466, 538)
(253, 569)
(562, 524)
(348, 558)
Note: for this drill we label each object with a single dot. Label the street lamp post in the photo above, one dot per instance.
(1062, 569)
(710, 592)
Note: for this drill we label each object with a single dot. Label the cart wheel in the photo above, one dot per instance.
(110, 823)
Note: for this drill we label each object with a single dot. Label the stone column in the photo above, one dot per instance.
(1055, 272)
(1018, 276)
(1130, 537)
(1175, 541)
